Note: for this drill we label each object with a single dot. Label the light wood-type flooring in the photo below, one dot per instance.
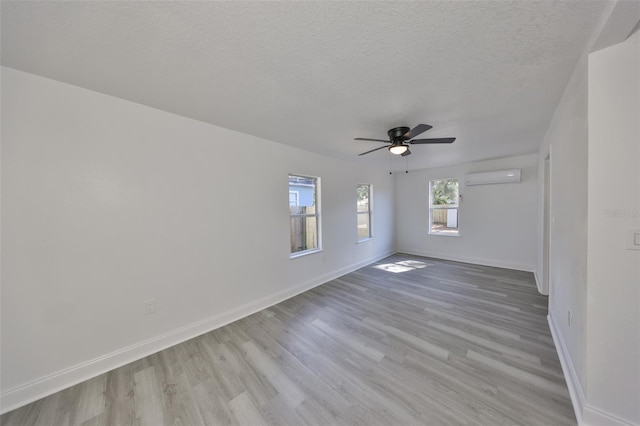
(405, 341)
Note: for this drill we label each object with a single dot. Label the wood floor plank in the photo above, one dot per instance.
(286, 388)
(148, 398)
(405, 341)
(92, 401)
(245, 411)
(410, 339)
(485, 342)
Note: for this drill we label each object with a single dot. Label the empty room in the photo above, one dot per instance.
(320, 213)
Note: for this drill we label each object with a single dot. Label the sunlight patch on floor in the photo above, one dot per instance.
(402, 266)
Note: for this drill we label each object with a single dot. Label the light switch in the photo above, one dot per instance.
(633, 239)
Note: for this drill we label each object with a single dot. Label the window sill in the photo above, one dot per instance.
(364, 240)
(304, 253)
(437, 234)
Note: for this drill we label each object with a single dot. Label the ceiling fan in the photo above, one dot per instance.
(399, 137)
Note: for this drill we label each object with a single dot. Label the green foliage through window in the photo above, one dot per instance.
(443, 208)
(444, 192)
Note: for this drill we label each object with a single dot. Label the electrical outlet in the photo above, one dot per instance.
(149, 306)
(569, 318)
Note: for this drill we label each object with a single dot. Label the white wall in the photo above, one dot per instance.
(567, 136)
(613, 272)
(107, 203)
(594, 140)
(497, 223)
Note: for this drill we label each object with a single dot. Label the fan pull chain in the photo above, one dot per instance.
(406, 166)
(390, 165)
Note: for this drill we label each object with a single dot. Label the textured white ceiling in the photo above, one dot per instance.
(317, 74)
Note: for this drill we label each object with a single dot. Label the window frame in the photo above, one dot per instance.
(455, 206)
(317, 215)
(368, 212)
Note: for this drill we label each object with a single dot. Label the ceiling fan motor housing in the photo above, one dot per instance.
(397, 133)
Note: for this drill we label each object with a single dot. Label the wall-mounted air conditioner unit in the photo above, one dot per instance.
(489, 178)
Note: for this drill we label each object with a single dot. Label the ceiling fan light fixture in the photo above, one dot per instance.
(398, 149)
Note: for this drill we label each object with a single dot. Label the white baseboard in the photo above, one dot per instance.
(472, 260)
(592, 416)
(586, 414)
(570, 374)
(32, 391)
(539, 283)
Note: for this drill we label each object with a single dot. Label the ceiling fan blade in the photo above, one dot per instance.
(372, 150)
(367, 139)
(434, 140)
(407, 152)
(420, 128)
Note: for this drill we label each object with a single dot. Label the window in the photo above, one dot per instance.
(443, 207)
(304, 214)
(293, 198)
(364, 211)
